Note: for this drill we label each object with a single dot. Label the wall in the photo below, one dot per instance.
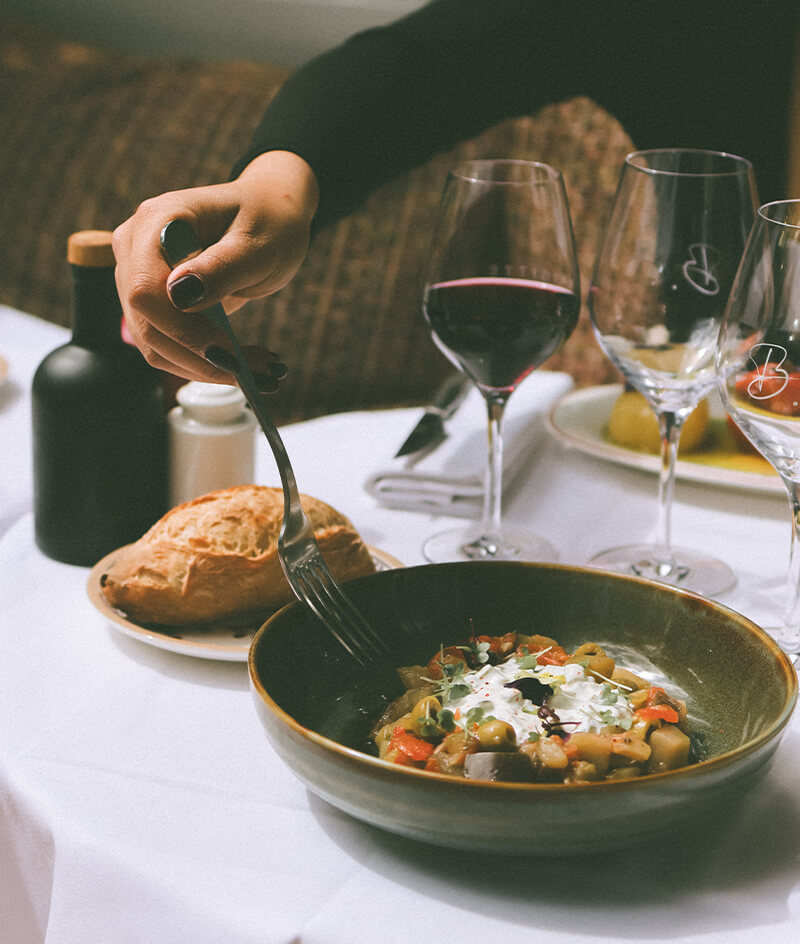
(286, 31)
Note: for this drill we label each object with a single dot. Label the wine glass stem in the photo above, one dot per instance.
(789, 636)
(493, 495)
(670, 425)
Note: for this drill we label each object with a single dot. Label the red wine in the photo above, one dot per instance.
(498, 329)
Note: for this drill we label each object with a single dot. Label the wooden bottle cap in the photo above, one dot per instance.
(90, 247)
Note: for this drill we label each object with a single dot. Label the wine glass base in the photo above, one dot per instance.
(463, 544)
(690, 571)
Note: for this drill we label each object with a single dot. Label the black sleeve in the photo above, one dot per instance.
(674, 73)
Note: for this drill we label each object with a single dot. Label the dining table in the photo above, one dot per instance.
(141, 801)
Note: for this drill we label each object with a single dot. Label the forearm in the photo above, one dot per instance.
(674, 74)
(389, 98)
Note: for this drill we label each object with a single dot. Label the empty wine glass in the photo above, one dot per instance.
(502, 294)
(662, 277)
(758, 367)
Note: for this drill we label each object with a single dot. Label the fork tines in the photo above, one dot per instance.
(315, 583)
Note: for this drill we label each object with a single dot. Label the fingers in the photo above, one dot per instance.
(168, 339)
(266, 367)
(258, 247)
(250, 260)
(164, 353)
(256, 232)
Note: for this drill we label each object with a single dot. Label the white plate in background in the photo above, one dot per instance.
(580, 419)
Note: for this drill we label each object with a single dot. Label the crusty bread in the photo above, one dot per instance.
(216, 556)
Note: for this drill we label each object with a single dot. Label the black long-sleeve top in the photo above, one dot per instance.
(675, 73)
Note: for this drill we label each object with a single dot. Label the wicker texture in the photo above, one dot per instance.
(86, 135)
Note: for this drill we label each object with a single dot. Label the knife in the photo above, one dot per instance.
(429, 431)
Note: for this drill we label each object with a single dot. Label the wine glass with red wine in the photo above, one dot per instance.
(501, 296)
(663, 274)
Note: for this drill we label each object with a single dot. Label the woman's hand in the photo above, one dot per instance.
(256, 230)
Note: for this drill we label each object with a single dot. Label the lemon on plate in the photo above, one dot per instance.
(633, 424)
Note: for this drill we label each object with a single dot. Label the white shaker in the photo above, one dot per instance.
(211, 440)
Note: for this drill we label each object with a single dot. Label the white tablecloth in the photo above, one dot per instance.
(140, 800)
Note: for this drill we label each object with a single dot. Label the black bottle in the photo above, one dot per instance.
(99, 425)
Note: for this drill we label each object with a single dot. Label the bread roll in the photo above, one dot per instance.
(217, 556)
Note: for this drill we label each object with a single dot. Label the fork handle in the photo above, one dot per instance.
(178, 242)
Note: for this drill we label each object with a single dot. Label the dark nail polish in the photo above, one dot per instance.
(255, 355)
(266, 382)
(187, 291)
(220, 358)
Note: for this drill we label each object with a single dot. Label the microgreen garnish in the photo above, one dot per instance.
(431, 727)
(477, 715)
(428, 727)
(608, 696)
(528, 662)
(451, 686)
(446, 719)
(608, 717)
(478, 650)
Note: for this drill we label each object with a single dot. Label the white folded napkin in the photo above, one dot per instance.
(450, 480)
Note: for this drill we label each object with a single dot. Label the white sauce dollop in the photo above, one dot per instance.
(577, 697)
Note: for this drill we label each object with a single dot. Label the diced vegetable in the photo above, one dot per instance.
(658, 713)
(401, 706)
(496, 736)
(657, 696)
(449, 655)
(555, 655)
(628, 679)
(550, 752)
(598, 664)
(624, 773)
(630, 748)
(670, 749)
(413, 676)
(583, 772)
(423, 718)
(407, 749)
(493, 765)
(592, 748)
(500, 645)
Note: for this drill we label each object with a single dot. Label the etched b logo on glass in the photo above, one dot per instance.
(697, 269)
(770, 377)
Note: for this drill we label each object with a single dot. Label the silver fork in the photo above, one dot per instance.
(306, 571)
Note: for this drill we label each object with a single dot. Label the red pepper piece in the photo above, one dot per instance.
(409, 748)
(657, 713)
(555, 655)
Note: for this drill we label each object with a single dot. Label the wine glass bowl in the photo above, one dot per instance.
(758, 367)
(663, 274)
(501, 296)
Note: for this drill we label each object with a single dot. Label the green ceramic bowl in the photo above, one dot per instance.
(317, 707)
